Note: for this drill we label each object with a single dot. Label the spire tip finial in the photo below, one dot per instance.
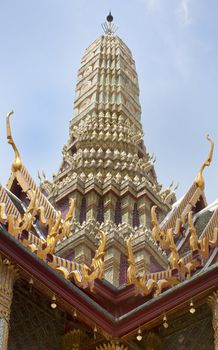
(109, 27)
(110, 17)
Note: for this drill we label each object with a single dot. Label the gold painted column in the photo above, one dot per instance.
(8, 274)
(111, 346)
(213, 303)
(72, 340)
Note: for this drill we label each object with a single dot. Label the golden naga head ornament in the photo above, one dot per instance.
(17, 164)
(199, 180)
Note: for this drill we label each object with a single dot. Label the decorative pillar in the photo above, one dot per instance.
(127, 209)
(213, 303)
(109, 207)
(92, 205)
(8, 275)
(142, 260)
(148, 206)
(78, 200)
(83, 254)
(112, 265)
(142, 211)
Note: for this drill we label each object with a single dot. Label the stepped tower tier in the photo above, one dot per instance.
(106, 167)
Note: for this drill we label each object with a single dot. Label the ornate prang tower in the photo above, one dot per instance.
(106, 167)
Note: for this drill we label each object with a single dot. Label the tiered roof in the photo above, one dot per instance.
(32, 228)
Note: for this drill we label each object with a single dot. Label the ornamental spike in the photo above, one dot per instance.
(16, 165)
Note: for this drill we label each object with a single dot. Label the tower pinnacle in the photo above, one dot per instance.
(109, 27)
(110, 17)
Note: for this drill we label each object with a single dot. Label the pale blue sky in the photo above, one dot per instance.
(175, 46)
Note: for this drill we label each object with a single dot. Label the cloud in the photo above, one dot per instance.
(180, 5)
(151, 5)
(184, 9)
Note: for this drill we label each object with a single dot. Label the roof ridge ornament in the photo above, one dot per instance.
(108, 27)
(17, 161)
(199, 180)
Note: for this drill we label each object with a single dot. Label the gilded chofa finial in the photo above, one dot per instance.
(199, 180)
(16, 165)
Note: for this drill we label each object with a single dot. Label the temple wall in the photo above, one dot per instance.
(33, 324)
(191, 332)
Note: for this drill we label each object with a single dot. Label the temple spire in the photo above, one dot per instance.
(109, 27)
(106, 168)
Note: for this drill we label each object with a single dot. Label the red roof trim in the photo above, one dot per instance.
(118, 326)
